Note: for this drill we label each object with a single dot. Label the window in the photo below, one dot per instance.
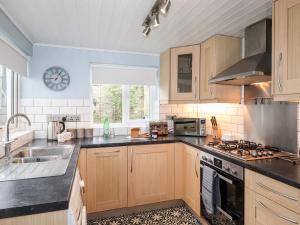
(126, 95)
(9, 91)
(123, 104)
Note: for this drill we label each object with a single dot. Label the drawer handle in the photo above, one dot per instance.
(82, 186)
(101, 153)
(196, 171)
(276, 214)
(276, 192)
(131, 161)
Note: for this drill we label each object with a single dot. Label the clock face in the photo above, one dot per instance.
(56, 78)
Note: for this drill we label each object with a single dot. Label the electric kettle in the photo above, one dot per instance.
(54, 128)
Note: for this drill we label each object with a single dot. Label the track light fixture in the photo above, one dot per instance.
(152, 19)
(165, 7)
(155, 21)
(146, 31)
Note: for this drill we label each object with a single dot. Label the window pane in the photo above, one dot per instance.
(107, 101)
(3, 97)
(138, 102)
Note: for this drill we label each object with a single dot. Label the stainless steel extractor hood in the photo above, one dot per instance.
(256, 66)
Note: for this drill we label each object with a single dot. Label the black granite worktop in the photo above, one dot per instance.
(39, 195)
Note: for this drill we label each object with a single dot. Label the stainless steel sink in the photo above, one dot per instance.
(60, 151)
(34, 162)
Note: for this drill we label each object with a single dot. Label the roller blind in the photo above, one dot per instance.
(12, 59)
(127, 75)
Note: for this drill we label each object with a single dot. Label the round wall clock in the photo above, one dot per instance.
(56, 78)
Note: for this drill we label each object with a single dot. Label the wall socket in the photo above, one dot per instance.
(68, 117)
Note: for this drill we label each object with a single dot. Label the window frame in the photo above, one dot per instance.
(126, 121)
(13, 94)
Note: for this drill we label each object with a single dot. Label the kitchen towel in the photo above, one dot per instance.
(211, 196)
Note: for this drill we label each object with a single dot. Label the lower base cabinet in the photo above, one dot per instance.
(270, 202)
(150, 174)
(187, 176)
(106, 178)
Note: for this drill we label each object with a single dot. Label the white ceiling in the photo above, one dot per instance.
(116, 24)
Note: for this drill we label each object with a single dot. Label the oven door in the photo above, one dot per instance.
(231, 211)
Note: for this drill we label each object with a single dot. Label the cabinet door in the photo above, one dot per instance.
(150, 174)
(286, 66)
(191, 178)
(268, 212)
(106, 178)
(208, 70)
(185, 69)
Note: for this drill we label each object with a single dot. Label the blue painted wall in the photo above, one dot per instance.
(77, 63)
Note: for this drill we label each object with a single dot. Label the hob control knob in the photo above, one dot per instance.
(227, 168)
(204, 158)
(209, 160)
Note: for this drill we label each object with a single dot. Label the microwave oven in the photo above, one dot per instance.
(190, 127)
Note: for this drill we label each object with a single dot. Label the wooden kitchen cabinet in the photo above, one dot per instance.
(185, 70)
(286, 50)
(270, 202)
(217, 54)
(179, 75)
(106, 178)
(187, 176)
(150, 174)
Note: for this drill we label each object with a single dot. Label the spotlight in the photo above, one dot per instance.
(155, 21)
(146, 31)
(165, 7)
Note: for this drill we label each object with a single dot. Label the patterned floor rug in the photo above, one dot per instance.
(170, 216)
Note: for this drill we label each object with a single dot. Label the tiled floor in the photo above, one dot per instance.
(170, 216)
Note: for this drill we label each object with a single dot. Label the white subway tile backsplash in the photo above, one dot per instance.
(33, 110)
(59, 102)
(40, 118)
(87, 102)
(67, 110)
(40, 134)
(27, 102)
(41, 102)
(75, 102)
(50, 110)
(37, 126)
(83, 110)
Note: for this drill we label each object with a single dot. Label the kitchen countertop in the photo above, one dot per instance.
(39, 195)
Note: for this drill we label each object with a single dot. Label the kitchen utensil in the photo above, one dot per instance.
(88, 132)
(54, 128)
(80, 133)
(73, 132)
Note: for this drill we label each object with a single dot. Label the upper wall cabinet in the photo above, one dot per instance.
(286, 50)
(185, 69)
(179, 75)
(217, 54)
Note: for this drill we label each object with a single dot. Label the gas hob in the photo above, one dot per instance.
(245, 150)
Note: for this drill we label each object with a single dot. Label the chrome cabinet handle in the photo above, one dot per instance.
(101, 153)
(196, 171)
(195, 87)
(276, 192)
(277, 214)
(131, 161)
(279, 83)
(210, 91)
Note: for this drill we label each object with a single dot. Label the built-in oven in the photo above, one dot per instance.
(231, 186)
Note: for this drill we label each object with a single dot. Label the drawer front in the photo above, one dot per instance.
(268, 212)
(278, 192)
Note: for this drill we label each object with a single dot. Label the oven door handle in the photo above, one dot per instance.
(225, 179)
(222, 177)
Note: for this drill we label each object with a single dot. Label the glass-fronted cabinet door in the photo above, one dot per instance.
(185, 68)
